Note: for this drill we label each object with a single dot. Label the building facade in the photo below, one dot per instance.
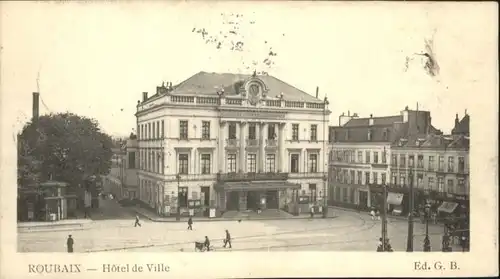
(360, 152)
(230, 142)
(122, 181)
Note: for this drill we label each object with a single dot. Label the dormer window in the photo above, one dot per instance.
(370, 135)
(385, 135)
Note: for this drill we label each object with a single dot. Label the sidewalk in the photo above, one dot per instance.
(51, 225)
(153, 217)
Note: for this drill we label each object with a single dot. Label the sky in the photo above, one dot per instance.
(95, 59)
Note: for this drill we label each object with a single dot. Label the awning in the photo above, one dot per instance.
(256, 186)
(448, 207)
(394, 198)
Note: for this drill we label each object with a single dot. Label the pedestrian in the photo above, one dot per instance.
(207, 243)
(137, 221)
(312, 211)
(380, 246)
(69, 244)
(190, 223)
(372, 213)
(388, 247)
(227, 240)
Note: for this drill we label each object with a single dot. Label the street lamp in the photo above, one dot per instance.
(178, 177)
(427, 241)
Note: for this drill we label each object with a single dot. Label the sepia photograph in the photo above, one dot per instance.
(222, 127)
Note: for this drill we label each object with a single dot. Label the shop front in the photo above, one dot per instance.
(256, 195)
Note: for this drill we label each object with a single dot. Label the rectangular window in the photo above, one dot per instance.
(375, 157)
(162, 160)
(345, 176)
(367, 177)
(231, 163)
(375, 177)
(131, 160)
(431, 163)
(232, 130)
(312, 192)
(295, 131)
(360, 156)
(394, 178)
(183, 129)
(420, 162)
(270, 162)
(384, 159)
(441, 163)
(420, 179)
(352, 177)
(411, 161)
(294, 163)
(183, 163)
(153, 135)
(206, 165)
(205, 130)
(313, 163)
(183, 196)
(252, 163)
(383, 178)
(402, 161)
(450, 185)
(402, 179)
(440, 184)
(461, 164)
(394, 160)
(451, 164)
(271, 131)
(367, 155)
(461, 186)
(314, 132)
(353, 154)
(162, 129)
(360, 177)
(431, 183)
(157, 129)
(252, 131)
(149, 131)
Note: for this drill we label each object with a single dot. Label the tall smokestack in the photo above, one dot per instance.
(317, 91)
(36, 98)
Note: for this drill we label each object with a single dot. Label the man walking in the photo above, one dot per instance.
(137, 221)
(207, 243)
(190, 223)
(227, 240)
(69, 244)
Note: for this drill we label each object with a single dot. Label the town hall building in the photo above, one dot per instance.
(231, 142)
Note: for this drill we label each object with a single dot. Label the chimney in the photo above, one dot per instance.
(348, 113)
(36, 97)
(465, 111)
(317, 91)
(144, 96)
(370, 121)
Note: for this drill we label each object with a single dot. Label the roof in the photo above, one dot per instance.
(434, 141)
(462, 127)
(385, 120)
(204, 83)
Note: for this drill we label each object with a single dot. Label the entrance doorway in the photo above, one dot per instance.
(272, 199)
(363, 199)
(233, 201)
(205, 196)
(253, 200)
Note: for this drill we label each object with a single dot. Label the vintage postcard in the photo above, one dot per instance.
(206, 139)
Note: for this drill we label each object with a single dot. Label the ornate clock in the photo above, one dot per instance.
(253, 93)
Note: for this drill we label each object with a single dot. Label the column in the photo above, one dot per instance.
(221, 147)
(281, 147)
(192, 161)
(304, 161)
(242, 166)
(262, 152)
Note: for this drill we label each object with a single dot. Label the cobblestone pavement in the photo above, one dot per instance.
(350, 231)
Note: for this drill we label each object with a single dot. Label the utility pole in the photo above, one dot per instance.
(409, 244)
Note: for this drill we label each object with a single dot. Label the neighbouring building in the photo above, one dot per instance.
(439, 167)
(359, 154)
(231, 142)
(122, 181)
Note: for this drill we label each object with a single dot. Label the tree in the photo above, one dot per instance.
(64, 147)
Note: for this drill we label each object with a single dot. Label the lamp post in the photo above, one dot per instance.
(178, 177)
(384, 218)
(409, 243)
(427, 241)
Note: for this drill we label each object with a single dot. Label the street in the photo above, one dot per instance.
(113, 230)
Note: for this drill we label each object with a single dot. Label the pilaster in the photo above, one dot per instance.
(242, 166)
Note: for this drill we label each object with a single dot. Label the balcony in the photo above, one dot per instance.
(252, 142)
(271, 142)
(306, 175)
(238, 177)
(232, 143)
(379, 165)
